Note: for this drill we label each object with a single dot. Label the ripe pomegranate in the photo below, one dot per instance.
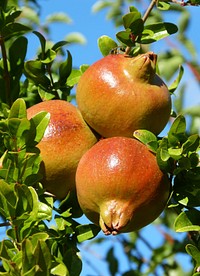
(66, 139)
(119, 94)
(120, 186)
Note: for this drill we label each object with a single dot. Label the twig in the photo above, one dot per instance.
(5, 224)
(144, 18)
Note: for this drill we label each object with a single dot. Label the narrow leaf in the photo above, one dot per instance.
(106, 45)
(188, 221)
(157, 31)
(18, 109)
(175, 84)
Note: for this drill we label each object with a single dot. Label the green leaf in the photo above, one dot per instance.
(42, 42)
(177, 131)
(46, 95)
(188, 221)
(157, 31)
(24, 200)
(163, 5)
(164, 160)
(75, 37)
(40, 122)
(192, 143)
(175, 84)
(13, 29)
(58, 45)
(27, 256)
(74, 77)
(129, 19)
(125, 38)
(35, 71)
(59, 268)
(106, 44)
(112, 261)
(44, 211)
(83, 68)
(18, 109)
(86, 232)
(17, 54)
(99, 5)
(43, 257)
(192, 111)
(7, 200)
(17, 127)
(65, 69)
(147, 138)
(186, 187)
(49, 56)
(193, 251)
(175, 153)
(59, 17)
(184, 21)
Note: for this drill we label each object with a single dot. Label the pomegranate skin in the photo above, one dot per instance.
(66, 139)
(120, 186)
(119, 94)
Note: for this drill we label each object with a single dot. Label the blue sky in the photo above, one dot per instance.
(92, 26)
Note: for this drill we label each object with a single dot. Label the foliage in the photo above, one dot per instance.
(43, 236)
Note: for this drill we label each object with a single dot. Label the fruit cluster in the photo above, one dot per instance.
(91, 149)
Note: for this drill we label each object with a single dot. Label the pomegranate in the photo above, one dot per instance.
(66, 139)
(120, 186)
(119, 94)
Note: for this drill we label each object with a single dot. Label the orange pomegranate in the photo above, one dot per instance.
(119, 94)
(120, 186)
(66, 139)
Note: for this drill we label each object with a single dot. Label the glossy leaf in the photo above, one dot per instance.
(176, 83)
(195, 253)
(177, 131)
(147, 138)
(186, 187)
(42, 42)
(188, 221)
(74, 77)
(163, 5)
(40, 122)
(7, 200)
(130, 18)
(192, 143)
(157, 31)
(164, 160)
(65, 69)
(59, 268)
(49, 56)
(106, 44)
(58, 45)
(17, 54)
(125, 38)
(86, 232)
(35, 71)
(13, 29)
(18, 109)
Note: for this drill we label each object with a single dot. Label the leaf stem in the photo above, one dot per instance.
(6, 75)
(144, 18)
